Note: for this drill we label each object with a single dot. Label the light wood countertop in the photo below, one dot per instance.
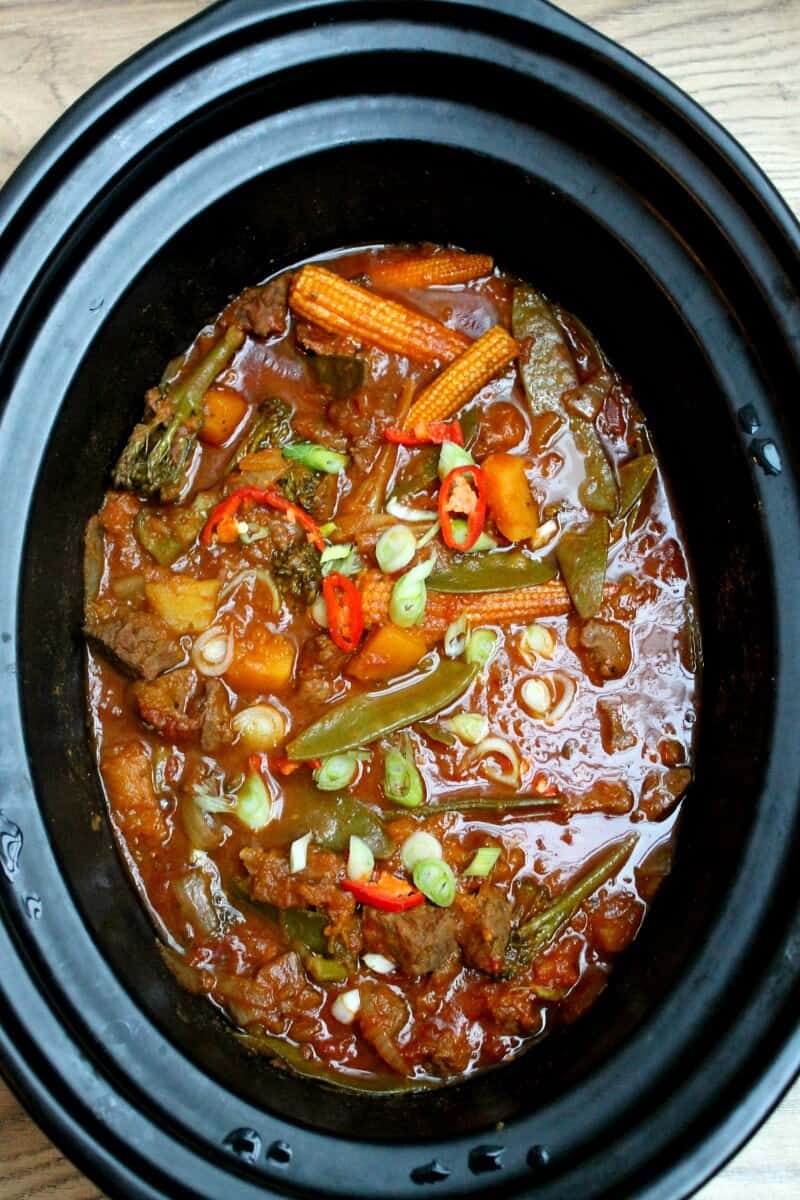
(740, 59)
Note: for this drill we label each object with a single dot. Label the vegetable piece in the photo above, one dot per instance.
(222, 525)
(325, 298)
(508, 496)
(532, 937)
(455, 496)
(435, 879)
(469, 727)
(378, 963)
(344, 556)
(369, 496)
(484, 541)
(395, 549)
(346, 1006)
(340, 374)
(187, 605)
(193, 893)
(388, 651)
(360, 859)
(507, 570)
(546, 364)
(359, 720)
(298, 853)
(434, 433)
(317, 458)
(536, 697)
(440, 269)
(337, 771)
(389, 893)
(223, 413)
(481, 645)
(263, 661)
(423, 467)
(452, 455)
(165, 536)
(212, 652)
(253, 805)
(417, 847)
(156, 457)
(436, 733)
(293, 1059)
(409, 596)
(537, 640)
(459, 382)
(297, 569)
(270, 428)
(598, 492)
(564, 691)
(332, 820)
(325, 970)
(455, 637)
(483, 862)
(345, 613)
(402, 782)
(634, 477)
(404, 512)
(502, 748)
(497, 804)
(582, 555)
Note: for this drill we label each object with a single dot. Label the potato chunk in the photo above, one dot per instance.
(187, 605)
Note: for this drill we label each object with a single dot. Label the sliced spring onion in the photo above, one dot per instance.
(360, 859)
(328, 528)
(212, 652)
(409, 596)
(484, 541)
(536, 697)
(298, 853)
(564, 689)
(455, 638)
(481, 645)
(249, 533)
(483, 862)
(395, 549)
(402, 782)
(452, 456)
(537, 640)
(469, 727)
(346, 1005)
(249, 576)
(260, 727)
(435, 879)
(319, 611)
(502, 748)
(418, 846)
(378, 963)
(316, 457)
(404, 513)
(338, 771)
(342, 558)
(253, 805)
(427, 537)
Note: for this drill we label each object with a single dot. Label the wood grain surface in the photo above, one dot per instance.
(739, 58)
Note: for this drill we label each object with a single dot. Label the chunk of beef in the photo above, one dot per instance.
(615, 921)
(604, 648)
(320, 341)
(128, 778)
(319, 669)
(138, 643)
(662, 790)
(613, 732)
(484, 927)
(261, 310)
(216, 730)
(171, 704)
(273, 998)
(419, 941)
(612, 796)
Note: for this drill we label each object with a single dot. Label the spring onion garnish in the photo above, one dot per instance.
(484, 541)
(378, 963)
(435, 879)
(319, 611)
(537, 640)
(328, 528)
(212, 652)
(298, 853)
(428, 536)
(455, 637)
(250, 532)
(403, 512)
(253, 805)
(342, 558)
(360, 859)
(502, 748)
(409, 596)
(338, 771)
(418, 846)
(250, 576)
(395, 549)
(483, 862)
(452, 456)
(469, 727)
(346, 1005)
(316, 457)
(536, 697)
(260, 727)
(402, 782)
(481, 645)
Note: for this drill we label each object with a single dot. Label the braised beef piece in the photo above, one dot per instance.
(611, 796)
(484, 927)
(614, 733)
(215, 730)
(604, 648)
(320, 341)
(662, 790)
(171, 704)
(139, 643)
(261, 310)
(419, 941)
(319, 668)
(128, 778)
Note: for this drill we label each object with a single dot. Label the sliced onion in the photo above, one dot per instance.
(360, 859)
(403, 513)
(468, 727)
(536, 696)
(378, 963)
(298, 853)
(537, 641)
(260, 727)
(246, 575)
(455, 638)
(346, 1005)
(319, 611)
(566, 685)
(544, 534)
(212, 652)
(501, 747)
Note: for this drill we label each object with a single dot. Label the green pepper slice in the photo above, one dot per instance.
(582, 555)
(333, 820)
(340, 374)
(493, 572)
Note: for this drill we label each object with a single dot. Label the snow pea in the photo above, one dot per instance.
(634, 477)
(582, 555)
(493, 572)
(361, 719)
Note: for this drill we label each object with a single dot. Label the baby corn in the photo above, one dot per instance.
(333, 303)
(430, 270)
(459, 382)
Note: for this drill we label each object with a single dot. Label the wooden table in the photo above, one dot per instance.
(738, 58)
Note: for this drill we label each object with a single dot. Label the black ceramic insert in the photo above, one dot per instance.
(258, 134)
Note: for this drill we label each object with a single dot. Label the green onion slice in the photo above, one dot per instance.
(409, 596)
(338, 771)
(483, 862)
(395, 549)
(316, 457)
(435, 879)
(481, 645)
(402, 782)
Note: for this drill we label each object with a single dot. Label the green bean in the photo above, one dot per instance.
(487, 803)
(494, 571)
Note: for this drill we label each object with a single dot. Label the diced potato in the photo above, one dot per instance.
(187, 605)
(508, 496)
(387, 652)
(262, 661)
(223, 412)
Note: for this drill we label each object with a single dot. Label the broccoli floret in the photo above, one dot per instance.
(299, 485)
(297, 570)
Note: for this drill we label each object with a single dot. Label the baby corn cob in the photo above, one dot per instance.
(428, 270)
(341, 307)
(459, 382)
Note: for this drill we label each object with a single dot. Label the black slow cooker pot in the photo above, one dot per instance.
(257, 134)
